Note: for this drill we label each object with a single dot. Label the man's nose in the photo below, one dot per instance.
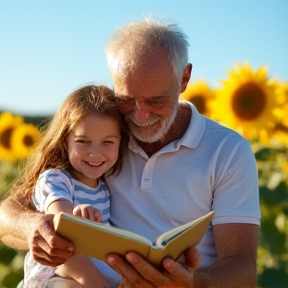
(141, 112)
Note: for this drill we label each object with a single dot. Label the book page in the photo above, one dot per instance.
(179, 239)
(109, 229)
(99, 240)
(167, 236)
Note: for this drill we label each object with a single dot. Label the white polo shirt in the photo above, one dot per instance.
(210, 168)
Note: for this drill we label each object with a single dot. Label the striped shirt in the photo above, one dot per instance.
(54, 185)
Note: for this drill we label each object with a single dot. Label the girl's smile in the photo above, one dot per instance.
(93, 148)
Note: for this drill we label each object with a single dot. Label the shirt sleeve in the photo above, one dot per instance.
(52, 185)
(236, 198)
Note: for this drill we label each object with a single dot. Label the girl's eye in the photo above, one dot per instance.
(108, 142)
(82, 141)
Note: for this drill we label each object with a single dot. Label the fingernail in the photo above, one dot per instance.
(70, 248)
(111, 260)
(131, 258)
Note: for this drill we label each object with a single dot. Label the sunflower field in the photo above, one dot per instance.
(247, 101)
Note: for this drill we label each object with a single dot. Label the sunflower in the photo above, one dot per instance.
(23, 139)
(281, 127)
(280, 132)
(8, 123)
(200, 94)
(247, 102)
(284, 168)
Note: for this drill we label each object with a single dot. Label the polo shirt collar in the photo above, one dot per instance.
(195, 130)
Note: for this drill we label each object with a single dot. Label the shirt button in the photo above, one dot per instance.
(146, 180)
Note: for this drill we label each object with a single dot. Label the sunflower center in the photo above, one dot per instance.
(27, 141)
(248, 101)
(199, 103)
(5, 138)
(281, 127)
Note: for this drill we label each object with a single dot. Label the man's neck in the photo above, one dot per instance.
(176, 131)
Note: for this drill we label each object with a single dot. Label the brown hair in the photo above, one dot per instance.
(50, 153)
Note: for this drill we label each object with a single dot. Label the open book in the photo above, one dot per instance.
(98, 240)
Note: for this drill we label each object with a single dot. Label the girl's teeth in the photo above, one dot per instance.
(95, 164)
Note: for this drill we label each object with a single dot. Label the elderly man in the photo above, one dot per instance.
(179, 166)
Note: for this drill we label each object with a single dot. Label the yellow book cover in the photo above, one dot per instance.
(98, 240)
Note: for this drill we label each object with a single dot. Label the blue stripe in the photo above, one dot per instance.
(105, 211)
(55, 187)
(90, 191)
(96, 201)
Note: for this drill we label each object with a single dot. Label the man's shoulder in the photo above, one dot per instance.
(222, 130)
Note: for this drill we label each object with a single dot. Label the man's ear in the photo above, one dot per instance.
(186, 77)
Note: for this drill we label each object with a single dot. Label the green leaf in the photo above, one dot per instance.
(264, 154)
(273, 278)
(13, 278)
(271, 237)
(7, 254)
(279, 195)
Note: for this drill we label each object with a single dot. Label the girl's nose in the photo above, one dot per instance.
(94, 153)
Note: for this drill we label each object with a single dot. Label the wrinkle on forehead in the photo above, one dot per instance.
(153, 77)
(154, 60)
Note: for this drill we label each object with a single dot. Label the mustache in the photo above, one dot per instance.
(149, 122)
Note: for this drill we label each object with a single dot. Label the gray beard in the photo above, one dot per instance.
(165, 126)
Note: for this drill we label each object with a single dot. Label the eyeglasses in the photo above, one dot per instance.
(152, 102)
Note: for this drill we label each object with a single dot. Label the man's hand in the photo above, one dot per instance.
(137, 272)
(46, 246)
(25, 229)
(87, 212)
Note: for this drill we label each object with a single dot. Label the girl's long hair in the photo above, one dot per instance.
(51, 152)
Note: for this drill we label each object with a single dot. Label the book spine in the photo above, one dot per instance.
(156, 256)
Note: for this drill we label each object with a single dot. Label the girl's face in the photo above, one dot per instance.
(93, 148)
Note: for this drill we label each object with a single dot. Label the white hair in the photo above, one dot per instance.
(132, 42)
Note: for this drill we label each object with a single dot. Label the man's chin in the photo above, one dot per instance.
(150, 134)
(148, 138)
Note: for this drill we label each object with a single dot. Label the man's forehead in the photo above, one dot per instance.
(155, 57)
(139, 92)
(119, 67)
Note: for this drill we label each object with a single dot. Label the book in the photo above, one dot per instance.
(98, 240)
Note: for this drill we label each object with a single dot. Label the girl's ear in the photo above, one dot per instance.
(65, 144)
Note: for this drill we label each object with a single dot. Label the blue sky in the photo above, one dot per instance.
(48, 48)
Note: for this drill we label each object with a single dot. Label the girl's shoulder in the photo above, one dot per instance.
(102, 185)
(55, 175)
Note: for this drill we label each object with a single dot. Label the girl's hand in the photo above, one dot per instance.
(87, 212)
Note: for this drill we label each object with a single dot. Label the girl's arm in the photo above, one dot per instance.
(79, 267)
(60, 205)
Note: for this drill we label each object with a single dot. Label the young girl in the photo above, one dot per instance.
(84, 140)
